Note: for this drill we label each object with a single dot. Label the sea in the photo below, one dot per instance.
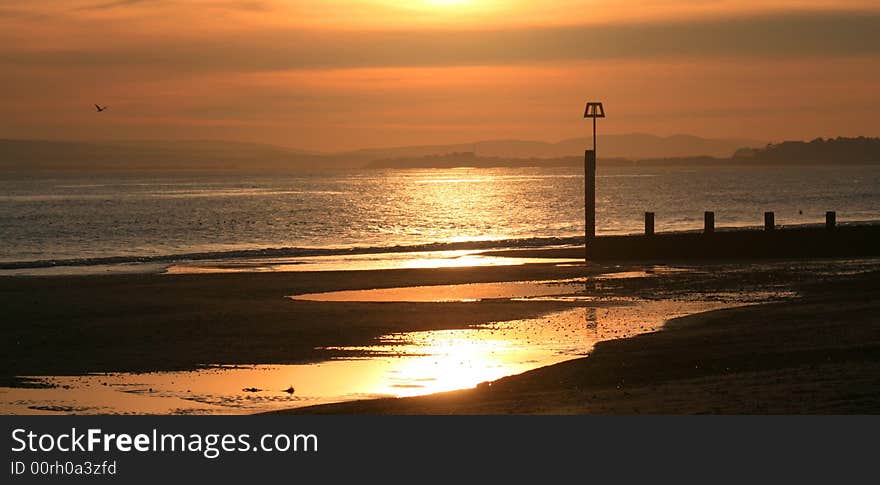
(79, 220)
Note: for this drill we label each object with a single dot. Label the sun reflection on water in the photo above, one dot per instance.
(399, 365)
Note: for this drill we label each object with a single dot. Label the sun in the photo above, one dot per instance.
(446, 3)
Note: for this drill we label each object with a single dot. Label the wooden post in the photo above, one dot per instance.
(649, 223)
(589, 201)
(708, 222)
(769, 221)
(830, 220)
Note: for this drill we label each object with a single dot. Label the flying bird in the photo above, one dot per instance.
(100, 108)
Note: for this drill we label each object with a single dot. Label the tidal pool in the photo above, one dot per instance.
(398, 365)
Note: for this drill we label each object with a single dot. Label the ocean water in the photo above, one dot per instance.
(89, 217)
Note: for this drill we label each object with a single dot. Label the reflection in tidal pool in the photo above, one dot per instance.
(401, 365)
(448, 293)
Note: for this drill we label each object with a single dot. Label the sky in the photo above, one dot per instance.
(331, 75)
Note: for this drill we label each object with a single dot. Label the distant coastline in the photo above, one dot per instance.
(633, 150)
(200, 155)
(841, 151)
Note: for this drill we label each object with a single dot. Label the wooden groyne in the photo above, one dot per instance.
(830, 240)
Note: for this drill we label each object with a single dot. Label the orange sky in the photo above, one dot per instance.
(342, 74)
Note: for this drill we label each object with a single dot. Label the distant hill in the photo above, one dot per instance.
(155, 155)
(631, 146)
(222, 155)
(469, 159)
(819, 151)
(225, 155)
(840, 151)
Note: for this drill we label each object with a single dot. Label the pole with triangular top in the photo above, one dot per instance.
(594, 110)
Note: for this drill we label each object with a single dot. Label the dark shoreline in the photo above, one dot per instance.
(860, 238)
(819, 354)
(292, 252)
(805, 242)
(72, 325)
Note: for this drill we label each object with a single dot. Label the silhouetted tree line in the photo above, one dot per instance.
(832, 150)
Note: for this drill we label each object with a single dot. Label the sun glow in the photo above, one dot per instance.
(446, 3)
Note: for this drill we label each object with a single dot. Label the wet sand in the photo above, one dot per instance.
(818, 353)
(69, 325)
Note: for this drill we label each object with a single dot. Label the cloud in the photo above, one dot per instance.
(115, 4)
(244, 5)
(779, 35)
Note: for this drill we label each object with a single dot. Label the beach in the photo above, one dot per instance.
(817, 355)
(794, 336)
(148, 322)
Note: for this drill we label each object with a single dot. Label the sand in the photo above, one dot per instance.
(819, 353)
(68, 325)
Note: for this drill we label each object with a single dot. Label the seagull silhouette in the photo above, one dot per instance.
(100, 108)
